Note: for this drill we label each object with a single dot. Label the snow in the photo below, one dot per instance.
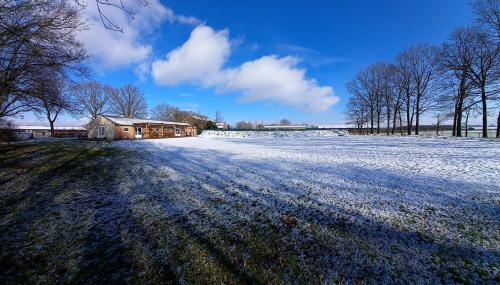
(273, 134)
(131, 121)
(336, 126)
(409, 207)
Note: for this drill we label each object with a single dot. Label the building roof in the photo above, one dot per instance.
(131, 121)
(46, 128)
(199, 118)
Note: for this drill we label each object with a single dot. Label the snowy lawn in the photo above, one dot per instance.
(251, 210)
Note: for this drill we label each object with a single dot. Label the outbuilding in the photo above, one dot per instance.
(112, 127)
(29, 132)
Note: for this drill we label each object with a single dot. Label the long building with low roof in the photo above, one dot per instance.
(112, 127)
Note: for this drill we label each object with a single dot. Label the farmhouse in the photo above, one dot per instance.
(111, 127)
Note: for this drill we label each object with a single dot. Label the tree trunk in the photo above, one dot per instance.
(466, 123)
(378, 122)
(485, 111)
(394, 120)
(388, 122)
(408, 122)
(498, 125)
(437, 126)
(454, 131)
(52, 132)
(459, 113)
(400, 123)
(417, 121)
(371, 122)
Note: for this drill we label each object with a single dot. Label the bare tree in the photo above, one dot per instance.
(285, 122)
(244, 125)
(51, 98)
(356, 113)
(388, 92)
(488, 15)
(457, 59)
(218, 117)
(91, 99)
(398, 98)
(405, 86)
(35, 35)
(422, 60)
(164, 112)
(259, 125)
(365, 91)
(127, 101)
(116, 4)
(484, 71)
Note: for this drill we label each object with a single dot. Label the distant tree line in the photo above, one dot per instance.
(93, 99)
(248, 125)
(455, 81)
(39, 56)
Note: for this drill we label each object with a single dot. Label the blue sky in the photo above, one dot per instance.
(261, 60)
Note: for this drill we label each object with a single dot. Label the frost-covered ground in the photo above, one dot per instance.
(335, 209)
(410, 208)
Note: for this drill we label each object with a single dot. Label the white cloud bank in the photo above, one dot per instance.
(110, 49)
(201, 58)
(279, 79)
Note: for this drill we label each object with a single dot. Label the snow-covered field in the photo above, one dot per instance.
(398, 209)
(253, 210)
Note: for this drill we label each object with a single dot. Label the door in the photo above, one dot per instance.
(138, 133)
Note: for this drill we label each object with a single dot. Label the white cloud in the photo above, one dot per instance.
(111, 49)
(271, 78)
(142, 70)
(187, 20)
(198, 60)
(201, 58)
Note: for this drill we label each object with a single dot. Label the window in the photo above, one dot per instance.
(177, 131)
(138, 131)
(100, 131)
(125, 130)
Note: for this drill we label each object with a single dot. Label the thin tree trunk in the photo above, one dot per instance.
(454, 131)
(485, 111)
(400, 122)
(378, 122)
(394, 120)
(437, 126)
(372, 115)
(408, 122)
(498, 125)
(52, 132)
(466, 123)
(459, 112)
(417, 122)
(388, 121)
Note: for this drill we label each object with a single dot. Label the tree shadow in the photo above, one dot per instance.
(180, 214)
